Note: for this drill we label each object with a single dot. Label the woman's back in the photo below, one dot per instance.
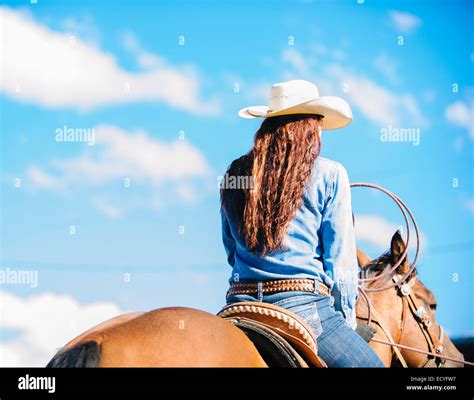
(288, 232)
(301, 254)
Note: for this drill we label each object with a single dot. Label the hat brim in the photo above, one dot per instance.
(336, 111)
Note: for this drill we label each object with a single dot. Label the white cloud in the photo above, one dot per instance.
(469, 205)
(429, 95)
(83, 26)
(145, 59)
(377, 103)
(458, 144)
(338, 55)
(42, 179)
(319, 49)
(307, 67)
(56, 70)
(186, 193)
(153, 171)
(388, 67)
(45, 322)
(378, 231)
(297, 66)
(106, 208)
(461, 114)
(259, 92)
(118, 154)
(405, 22)
(374, 230)
(296, 60)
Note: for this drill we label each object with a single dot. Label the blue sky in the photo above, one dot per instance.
(160, 86)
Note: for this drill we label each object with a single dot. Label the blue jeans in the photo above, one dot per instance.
(338, 344)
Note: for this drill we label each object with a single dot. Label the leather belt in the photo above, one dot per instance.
(281, 285)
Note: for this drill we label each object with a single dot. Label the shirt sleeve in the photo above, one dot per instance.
(228, 240)
(339, 245)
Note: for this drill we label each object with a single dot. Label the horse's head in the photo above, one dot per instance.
(407, 311)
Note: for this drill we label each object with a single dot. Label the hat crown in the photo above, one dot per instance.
(290, 93)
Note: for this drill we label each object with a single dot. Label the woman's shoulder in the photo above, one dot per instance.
(329, 173)
(327, 176)
(328, 168)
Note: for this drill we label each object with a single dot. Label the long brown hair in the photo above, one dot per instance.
(278, 167)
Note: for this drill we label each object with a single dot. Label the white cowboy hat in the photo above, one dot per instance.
(302, 97)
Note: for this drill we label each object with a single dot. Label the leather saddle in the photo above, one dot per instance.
(282, 338)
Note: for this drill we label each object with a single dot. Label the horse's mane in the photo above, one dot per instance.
(379, 264)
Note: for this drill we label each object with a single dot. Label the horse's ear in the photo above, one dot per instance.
(397, 247)
(362, 259)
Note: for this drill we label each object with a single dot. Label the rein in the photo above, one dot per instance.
(408, 298)
(422, 352)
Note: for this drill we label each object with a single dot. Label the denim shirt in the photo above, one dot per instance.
(319, 244)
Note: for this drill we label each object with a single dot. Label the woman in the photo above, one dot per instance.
(287, 221)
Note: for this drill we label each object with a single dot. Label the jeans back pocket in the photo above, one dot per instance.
(309, 313)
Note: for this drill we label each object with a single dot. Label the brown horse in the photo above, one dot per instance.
(166, 337)
(185, 337)
(391, 309)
